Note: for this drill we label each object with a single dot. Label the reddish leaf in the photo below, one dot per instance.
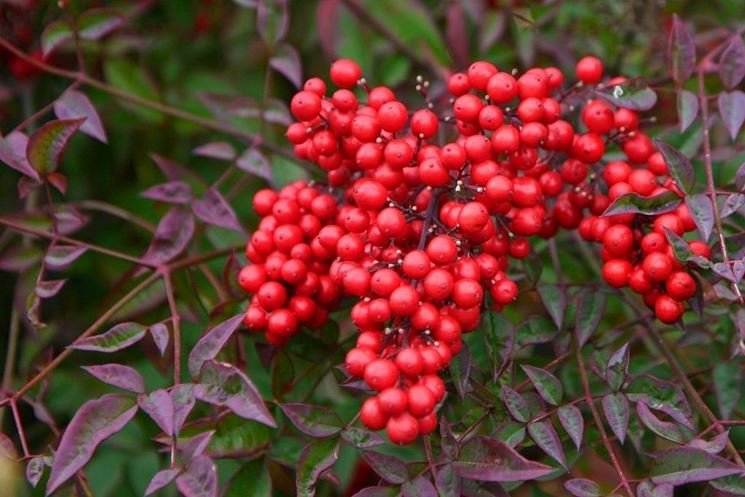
(26, 185)
(419, 487)
(286, 60)
(171, 237)
(477, 457)
(327, 27)
(687, 108)
(46, 145)
(59, 181)
(732, 109)
(316, 421)
(223, 384)
(683, 465)
(213, 209)
(94, 24)
(390, 468)
(173, 192)
(61, 256)
(160, 335)
(253, 161)
(272, 20)
(74, 104)
(616, 409)
(681, 52)
(13, 154)
(732, 63)
(54, 35)
(35, 470)
(199, 479)
(216, 150)
(50, 288)
(158, 405)
(117, 338)
(210, 344)
(196, 445)
(571, 419)
(456, 34)
(118, 375)
(94, 422)
(161, 479)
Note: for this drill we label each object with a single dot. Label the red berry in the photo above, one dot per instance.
(372, 415)
(589, 70)
(667, 309)
(345, 73)
(403, 429)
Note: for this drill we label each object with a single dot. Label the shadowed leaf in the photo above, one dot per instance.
(678, 165)
(491, 460)
(687, 465)
(210, 344)
(54, 35)
(315, 458)
(316, 421)
(732, 109)
(172, 192)
(46, 145)
(681, 52)
(390, 468)
(287, 61)
(118, 375)
(213, 209)
(171, 237)
(571, 419)
(732, 62)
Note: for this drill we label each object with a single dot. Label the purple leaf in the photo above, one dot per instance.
(59, 181)
(664, 429)
(196, 445)
(590, 309)
(216, 150)
(617, 368)
(55, 34)
(74, 104)
(199, 479)
(740, 177)
(118, 375)
(253, 161)
(35, 470)
(160, 480)
(633, 203)
(390, 468)
(732, 204)
(681, 52)
(633, 94)
(678, 165)
(46, 145)
(171, 169)
(447, 482)
(419, 487)
(683, 465)
(223, 384)
(286, 60)
(616, 409)
(516, 404)
(7, 449)
(377, 491)
(26, 186)
(546, 384)
(477, 461)
(171, 237)
(159, 332)
(687, 108)
(94, 24)
(19, 258)
(94, 422)
(571, 419)
(728, 386)
(182, 398)
(581, 487)
(732, 109)
(545, 436)
(702, 212)
(49, 288)
(316, 421)
(117, 338)
(732, 63)
(361, 438)
(13, 153)
(210, 344)
(456, 34)
(555, 301)
(314, 460)
(172, 192)
(327, 27)
(713, 446)
(159, 406)
(61, 256)
(663, 396)
(212, 208)
(648, 489)
(272, 20)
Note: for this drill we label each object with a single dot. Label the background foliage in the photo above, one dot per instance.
(226, 66)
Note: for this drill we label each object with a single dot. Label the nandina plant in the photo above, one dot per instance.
(474, 282)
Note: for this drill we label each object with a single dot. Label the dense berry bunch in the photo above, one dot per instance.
(424, 212)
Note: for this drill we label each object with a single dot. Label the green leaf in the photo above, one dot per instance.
(117, 338)
(633, 203)
(590, 309)
(499, 340)
(272, 19)
(316, 458)
(536, 329)
(54, 35)
(460, 368)
(661, 395)
(616, 409)
(516, 404)
(547, 385)
(544, 435)
(316, 421)
(412, 25)
(687, 465)
(633, 94)
(252, 475)
(728, 386)
(555, 300)
(361, 438)
(127, 76)
(702, 213)
(46, 145)
(283, 374)
(571, 419)
(678, 165)
(617, 368)
(688, 106)
(734, 485)
(94, 24)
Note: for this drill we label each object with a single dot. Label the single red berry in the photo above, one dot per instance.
(667, 309)
(589, 70)
(403, 429)
(345, 73)
(372, 415)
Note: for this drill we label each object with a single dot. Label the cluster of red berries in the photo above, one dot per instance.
(429, 210)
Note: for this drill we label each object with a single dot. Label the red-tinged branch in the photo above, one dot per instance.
(599, 422)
